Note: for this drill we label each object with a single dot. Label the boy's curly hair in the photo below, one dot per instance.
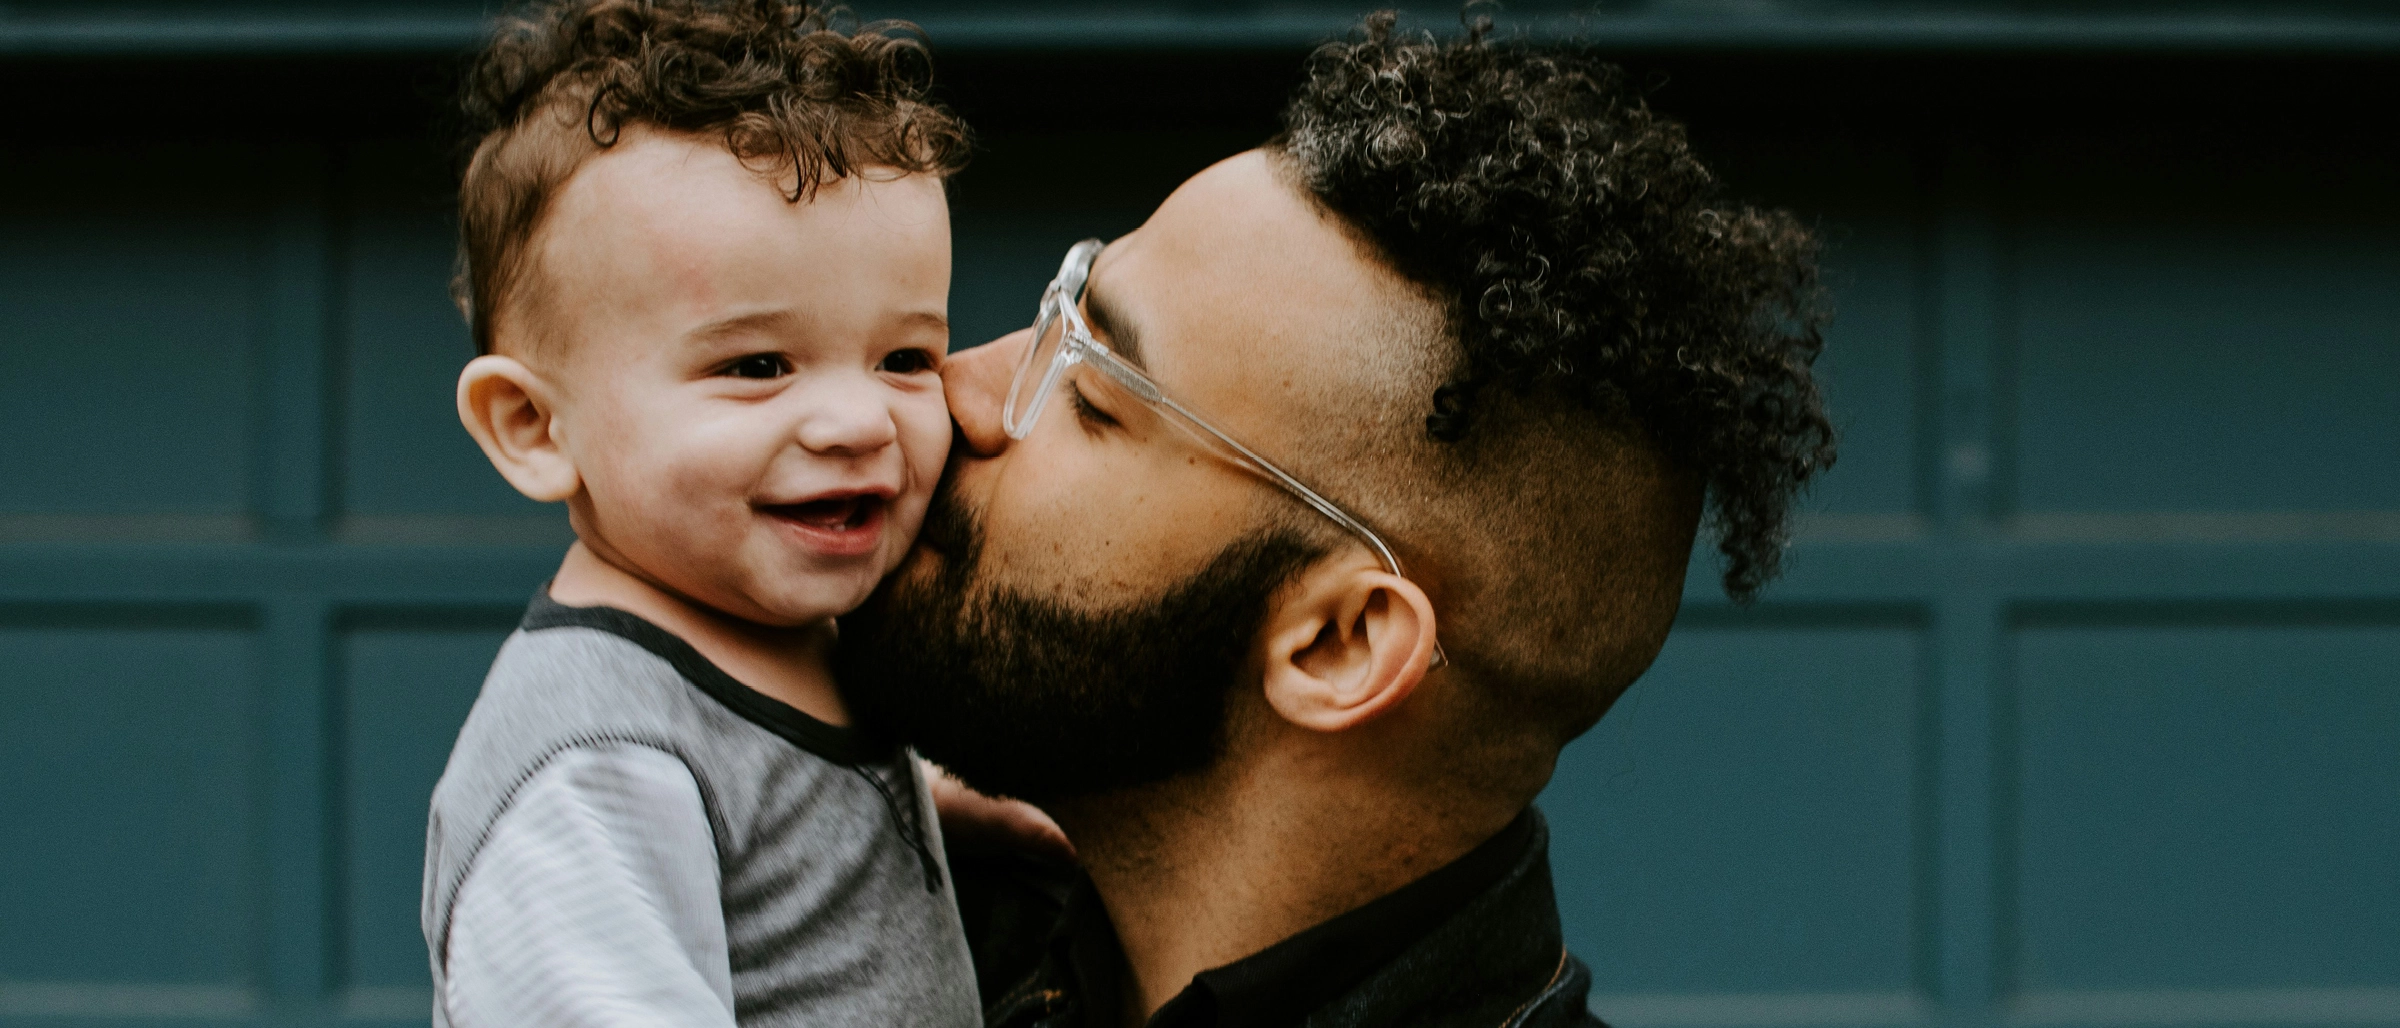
(1582, 248)
(786, 86)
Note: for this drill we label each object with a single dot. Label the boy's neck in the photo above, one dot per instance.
(787, 664)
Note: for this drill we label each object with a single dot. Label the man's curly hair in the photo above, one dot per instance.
(783, 84)
(1581, 248)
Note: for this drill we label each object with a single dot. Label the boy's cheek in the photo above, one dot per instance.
(896, 549)
(925, 432)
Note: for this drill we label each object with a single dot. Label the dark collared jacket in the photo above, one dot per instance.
(1474, 944)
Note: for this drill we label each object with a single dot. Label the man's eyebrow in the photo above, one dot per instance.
(1119, 332)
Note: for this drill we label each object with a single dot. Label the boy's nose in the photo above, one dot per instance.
(976, 382)
(848, 422)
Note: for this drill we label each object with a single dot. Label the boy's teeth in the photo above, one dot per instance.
(828, 513)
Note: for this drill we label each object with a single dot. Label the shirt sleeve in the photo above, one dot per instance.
(595, 902)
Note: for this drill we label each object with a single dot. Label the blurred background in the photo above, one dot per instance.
(2079, 708)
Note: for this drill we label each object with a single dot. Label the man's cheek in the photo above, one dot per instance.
(1089, 554)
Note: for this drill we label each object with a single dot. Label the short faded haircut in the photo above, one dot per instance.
(782, 84)
(1610, 349)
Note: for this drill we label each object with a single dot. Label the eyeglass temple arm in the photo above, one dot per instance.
(1140, 384)
(1307, 495)
(1132, 378)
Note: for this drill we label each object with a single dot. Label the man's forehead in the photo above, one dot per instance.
(1254, 308)
(1237, 261)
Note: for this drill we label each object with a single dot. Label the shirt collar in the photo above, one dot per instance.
(1283, 983)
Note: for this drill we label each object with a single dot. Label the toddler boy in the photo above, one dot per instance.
(705, 258)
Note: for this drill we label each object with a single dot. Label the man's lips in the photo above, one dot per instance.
(835, 524)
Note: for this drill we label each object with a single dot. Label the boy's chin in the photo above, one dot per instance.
(802, 604)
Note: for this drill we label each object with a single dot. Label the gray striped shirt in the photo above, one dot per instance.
(627, 836)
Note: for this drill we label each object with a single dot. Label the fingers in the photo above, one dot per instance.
(974, 821)
(1027, 828)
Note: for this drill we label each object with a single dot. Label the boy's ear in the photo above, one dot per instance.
(507, 408)
(1348, 645)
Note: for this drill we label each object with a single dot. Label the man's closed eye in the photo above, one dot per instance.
(1089, 415)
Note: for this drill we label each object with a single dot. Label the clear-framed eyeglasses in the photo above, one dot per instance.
(1062, 340)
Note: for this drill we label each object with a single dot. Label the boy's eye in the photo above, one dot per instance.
(760, 365)
(906, 362)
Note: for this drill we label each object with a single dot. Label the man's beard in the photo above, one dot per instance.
(1020, 695)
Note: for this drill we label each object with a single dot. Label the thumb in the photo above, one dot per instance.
(974, 821)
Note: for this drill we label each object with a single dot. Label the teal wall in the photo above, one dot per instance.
(2080, 706)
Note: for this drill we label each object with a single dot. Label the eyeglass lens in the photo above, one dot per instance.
(1039, 369)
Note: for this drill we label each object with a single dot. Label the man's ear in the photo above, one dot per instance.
(1346, 646)
(507, 408)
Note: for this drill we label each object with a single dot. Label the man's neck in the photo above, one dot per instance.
(1200, 872)
(787, 664)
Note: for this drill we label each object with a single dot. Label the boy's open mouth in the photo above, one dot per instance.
(834, 526)
(835, 514)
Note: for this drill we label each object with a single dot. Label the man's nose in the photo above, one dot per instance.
(976, 382)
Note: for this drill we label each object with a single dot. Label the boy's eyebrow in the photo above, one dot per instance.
(759, 322)
(930, 319)
(1119, 332)
(781, 320)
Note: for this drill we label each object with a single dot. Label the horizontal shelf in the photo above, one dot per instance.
(399, 31)
(1853, 572)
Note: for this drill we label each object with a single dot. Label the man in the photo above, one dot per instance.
(1280, 559)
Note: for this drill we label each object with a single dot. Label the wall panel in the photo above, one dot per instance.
(1745, 820)
(407, 680)
(2203, 326)
(139, 272)
(409, 472)
(131, 753)
(1029, 195)
(2209, 800)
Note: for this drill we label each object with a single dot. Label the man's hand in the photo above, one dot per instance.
(974, 821)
